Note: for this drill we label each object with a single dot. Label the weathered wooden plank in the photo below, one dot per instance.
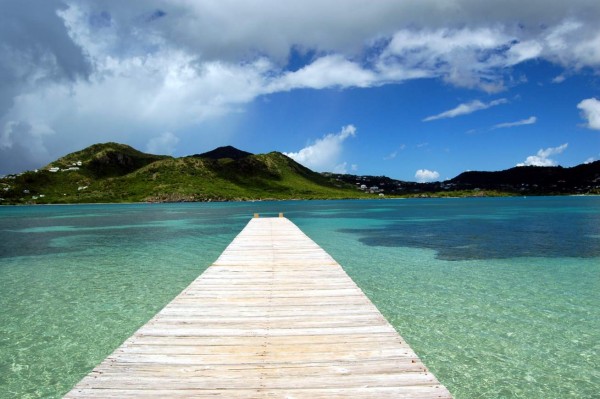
(257, 381)
(190, 348)
(274, 317)
(391, 339)
(413, 392)
(332, 369)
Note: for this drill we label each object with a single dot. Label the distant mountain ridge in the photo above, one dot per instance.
(533, 175)
(113, 172)
(534, 180)
(531, 180)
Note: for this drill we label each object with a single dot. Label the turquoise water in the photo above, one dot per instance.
(499, 297)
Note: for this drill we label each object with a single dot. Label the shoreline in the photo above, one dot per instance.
(388, 198)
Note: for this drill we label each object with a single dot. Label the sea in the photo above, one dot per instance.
(500, 297)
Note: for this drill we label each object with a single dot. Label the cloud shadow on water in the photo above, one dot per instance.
(472, 238)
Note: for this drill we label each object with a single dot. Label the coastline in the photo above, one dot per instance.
(361, 198)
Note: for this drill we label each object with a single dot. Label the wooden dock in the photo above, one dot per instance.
(274, 317)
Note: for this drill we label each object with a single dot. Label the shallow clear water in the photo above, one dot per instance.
(500, 297)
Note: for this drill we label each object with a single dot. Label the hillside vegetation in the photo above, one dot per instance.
(114, 172)
(523, 180)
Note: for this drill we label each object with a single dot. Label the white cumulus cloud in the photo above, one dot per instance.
(131, 70)
(460, 56)
(465, 109)
(327, 71)
(542, 158)
(590, 109)
(426, 175)
(324, 154)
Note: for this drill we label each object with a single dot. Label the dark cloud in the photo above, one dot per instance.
(36, 50)
(77, 72)
(157, 14)
(32, 31)
(22, 147)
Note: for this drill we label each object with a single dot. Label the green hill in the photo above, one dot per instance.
(107, 160)
(114, 172)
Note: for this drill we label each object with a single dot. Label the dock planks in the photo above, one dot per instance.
(274, 317)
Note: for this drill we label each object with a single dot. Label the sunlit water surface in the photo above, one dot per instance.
(499, 297)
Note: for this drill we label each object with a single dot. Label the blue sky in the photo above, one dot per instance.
(415, 90)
